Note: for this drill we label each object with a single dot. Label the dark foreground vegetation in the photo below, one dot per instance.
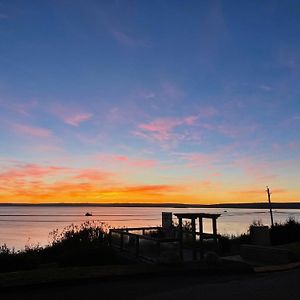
(74, 246)
(88, 245)
(280, 233)
(283, 233)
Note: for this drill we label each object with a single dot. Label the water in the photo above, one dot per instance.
(21, 225)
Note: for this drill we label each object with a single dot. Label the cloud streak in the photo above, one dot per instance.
(72, 116)
(162, 129)
(128, 40)
(32, 130)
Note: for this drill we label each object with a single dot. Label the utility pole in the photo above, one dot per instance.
(270, 206)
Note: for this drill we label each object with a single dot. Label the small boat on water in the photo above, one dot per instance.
(88, 214)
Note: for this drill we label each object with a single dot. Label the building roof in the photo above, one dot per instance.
(196, 215)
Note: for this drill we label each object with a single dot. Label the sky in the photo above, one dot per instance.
(149, 101)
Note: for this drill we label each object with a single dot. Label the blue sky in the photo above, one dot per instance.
(181, 101)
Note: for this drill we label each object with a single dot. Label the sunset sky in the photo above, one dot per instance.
(149, 101)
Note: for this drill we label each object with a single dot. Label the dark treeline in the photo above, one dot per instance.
(248, 205)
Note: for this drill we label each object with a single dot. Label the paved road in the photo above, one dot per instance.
(281, 285)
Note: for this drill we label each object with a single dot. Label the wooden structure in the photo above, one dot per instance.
(192, 217)
(133, 240)
(158, 243)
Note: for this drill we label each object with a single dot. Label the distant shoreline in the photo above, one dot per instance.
(260, 205)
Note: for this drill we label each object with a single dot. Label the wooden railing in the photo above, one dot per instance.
(125, 240)
(150, 242)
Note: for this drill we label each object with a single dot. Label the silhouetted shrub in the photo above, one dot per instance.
(283, 233)
(230, 244)
(86, 244)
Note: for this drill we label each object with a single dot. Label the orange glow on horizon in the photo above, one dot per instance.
(32, 183)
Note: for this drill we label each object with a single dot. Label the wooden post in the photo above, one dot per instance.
(270, 206)
(180, 238)
(194, 239)
(215, 233)
(201, 236)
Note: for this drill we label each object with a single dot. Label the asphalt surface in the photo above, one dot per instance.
(279, 285)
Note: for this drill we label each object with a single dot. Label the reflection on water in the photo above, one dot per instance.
(21, 225)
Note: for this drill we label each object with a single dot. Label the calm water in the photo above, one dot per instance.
(20, 226)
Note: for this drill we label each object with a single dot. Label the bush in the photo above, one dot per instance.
(86, 244)
(230, 244)
(283, 233)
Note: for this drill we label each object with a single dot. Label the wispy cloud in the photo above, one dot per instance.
(235, 131)
(196, 159)
(162, 129)
(128, 40)
(126, 160)
(29, 171)
(266, 88)
(32, 130)
(73, 116)
(259, 171)
(23, 108)
(92, 174)
(28, 182)
(76, 119)
(152, 189)
(256, 192)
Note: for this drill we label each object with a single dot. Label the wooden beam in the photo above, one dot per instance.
(180, 238)
(194, 239)
(201, 236)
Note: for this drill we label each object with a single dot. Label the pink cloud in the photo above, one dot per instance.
(125, 114)
(206, 184)
(257, 170)
(128, 161)
(30, 170)
(161, 129)
(294, 145)
(92, 174)
(190, 120)
(257, 192)
(28, 177)
(196, 159)
(144, 163)
(216, 174)
(76, 119)
(207, 112)
(120, 158)
(43, 148)
(70, 115)
(32, 131)
(23, 108)
(152, 189)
